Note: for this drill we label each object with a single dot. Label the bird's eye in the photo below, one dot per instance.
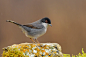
(46, 21)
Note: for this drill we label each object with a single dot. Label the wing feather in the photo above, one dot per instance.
(31, 26)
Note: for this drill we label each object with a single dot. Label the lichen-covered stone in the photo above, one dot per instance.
(33, 50)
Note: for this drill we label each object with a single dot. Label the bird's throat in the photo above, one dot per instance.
(45, 25)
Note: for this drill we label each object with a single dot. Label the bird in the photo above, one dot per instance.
(35, 29)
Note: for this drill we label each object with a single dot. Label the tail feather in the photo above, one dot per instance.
(13, 22)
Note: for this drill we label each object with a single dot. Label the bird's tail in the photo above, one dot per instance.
(13, 22)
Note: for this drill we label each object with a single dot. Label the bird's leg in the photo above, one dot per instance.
(32, 40)
(38, 42)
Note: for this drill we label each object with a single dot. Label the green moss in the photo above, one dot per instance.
(79, 55)
(13, 53)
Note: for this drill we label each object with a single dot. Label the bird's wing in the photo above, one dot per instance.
(34, 26)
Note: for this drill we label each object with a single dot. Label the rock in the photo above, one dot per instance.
(33, 50)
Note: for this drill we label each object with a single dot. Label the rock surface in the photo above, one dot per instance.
(33, 50)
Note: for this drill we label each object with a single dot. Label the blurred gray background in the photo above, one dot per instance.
(68, 22)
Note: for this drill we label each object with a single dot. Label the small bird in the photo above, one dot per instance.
(35, 29)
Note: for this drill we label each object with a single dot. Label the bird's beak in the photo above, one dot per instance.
(50, 24)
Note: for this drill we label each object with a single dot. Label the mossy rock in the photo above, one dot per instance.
(33, 50)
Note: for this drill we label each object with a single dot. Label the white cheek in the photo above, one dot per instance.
(45, 25)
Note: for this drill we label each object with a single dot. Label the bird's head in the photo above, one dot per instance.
(46, 20)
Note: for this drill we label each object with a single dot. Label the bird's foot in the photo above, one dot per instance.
(39, 45)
